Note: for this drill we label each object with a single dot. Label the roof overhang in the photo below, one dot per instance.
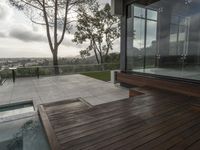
(142, 2)
(117, 5)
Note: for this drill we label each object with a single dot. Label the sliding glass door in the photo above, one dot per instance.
(136, 37)
(164, 39)
(141, 38)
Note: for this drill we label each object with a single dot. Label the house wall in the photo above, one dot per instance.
(166, 54)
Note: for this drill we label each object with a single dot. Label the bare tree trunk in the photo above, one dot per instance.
(92, 43)
(102, 61)
(54, 50)
(101, 57)
(96, 55)
(55, 62)
(55, 53)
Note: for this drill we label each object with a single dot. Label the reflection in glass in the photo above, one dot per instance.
(173, 40)
(152, 14)
(179, 36)
(138, 41)
(143, 33)
(151, 44)
(139, 12)
(151, 33)
(130, 52)
(167, 40)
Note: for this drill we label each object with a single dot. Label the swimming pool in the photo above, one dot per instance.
(22, 131)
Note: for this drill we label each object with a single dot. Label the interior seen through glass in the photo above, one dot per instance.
(164, 39)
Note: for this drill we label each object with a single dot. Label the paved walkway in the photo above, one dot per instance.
(58, 88)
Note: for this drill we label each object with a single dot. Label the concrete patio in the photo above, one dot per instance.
(58, 88)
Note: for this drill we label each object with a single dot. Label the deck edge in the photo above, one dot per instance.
(85, 102)
(51, 136)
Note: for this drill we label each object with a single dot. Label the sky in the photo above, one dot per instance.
(19, 37)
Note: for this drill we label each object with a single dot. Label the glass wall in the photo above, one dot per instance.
(164, 38)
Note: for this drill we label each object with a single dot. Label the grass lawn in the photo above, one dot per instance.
(103, 75)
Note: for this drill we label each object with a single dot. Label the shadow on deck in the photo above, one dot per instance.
(155, 120)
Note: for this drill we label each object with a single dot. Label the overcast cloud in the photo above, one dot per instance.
(21, 32)
(4, 13)
(2, 34)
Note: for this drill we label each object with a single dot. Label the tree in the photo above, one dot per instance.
(54, 15)
(97, 26)
(113, 58)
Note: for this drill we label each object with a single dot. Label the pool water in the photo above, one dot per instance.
(22, 131)
(23, 134)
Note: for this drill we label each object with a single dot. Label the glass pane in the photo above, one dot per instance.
(130, 34)
(151, 33)
(139, 29)
(151, 44)
(182, 41)
(135, 43)
(173, 40)
(175, 20)
(183, 21)
(152, 14)
(139, 12)
(138, 43)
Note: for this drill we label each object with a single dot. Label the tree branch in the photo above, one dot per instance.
(40, 23)
(47, 26)
(55, 25)
(65, 23)
(31, 5)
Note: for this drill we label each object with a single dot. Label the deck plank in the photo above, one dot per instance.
(157, 119)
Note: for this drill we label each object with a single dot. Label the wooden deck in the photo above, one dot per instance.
(156, 120)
